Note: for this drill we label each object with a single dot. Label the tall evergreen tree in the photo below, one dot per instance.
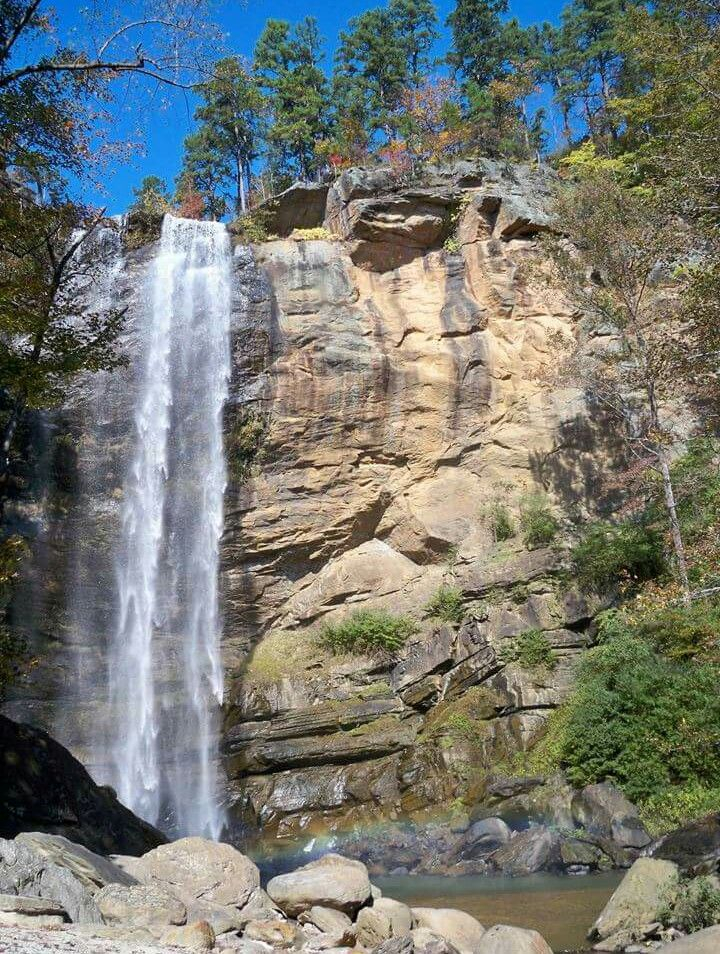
(370, 71)
(231, 113)
(204, 171)
(478, 49)
(415, 22)
(589, 69)
(384, 51)
(287, 64)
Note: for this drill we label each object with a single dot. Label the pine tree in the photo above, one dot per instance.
(385, 51)
(370, 71)
(589, 68)
(287, 65)
(231, 113)
(479, 52)
(415, 23)
(204, 171)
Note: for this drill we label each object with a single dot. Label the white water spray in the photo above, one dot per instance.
(168, 627)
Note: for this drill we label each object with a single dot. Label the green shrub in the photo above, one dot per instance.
(693, 905)
(677, 805)
(645, 722)
(696, 478)
(365, 630)
(446, 605)
(683, 632)
(253, 227)
(537, 523)
(531, 650)
(501, 523)
(610, 554)
(243, 443)
(319, 233)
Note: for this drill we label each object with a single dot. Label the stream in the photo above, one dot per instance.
(561, 908)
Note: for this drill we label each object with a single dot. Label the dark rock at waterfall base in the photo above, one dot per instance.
(44, 788)
(695, 848)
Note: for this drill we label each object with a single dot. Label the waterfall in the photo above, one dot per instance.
(165, 676)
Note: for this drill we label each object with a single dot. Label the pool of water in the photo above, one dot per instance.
(561, 908)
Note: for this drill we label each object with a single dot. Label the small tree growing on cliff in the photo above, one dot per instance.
(623, 271)
(48, 335)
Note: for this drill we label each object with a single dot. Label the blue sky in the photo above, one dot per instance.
(168, 121)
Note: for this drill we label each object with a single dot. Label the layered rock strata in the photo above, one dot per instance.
(390, 385)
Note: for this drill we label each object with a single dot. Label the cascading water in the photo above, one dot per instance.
(168, 626)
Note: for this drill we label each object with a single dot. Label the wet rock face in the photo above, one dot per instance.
(385, 392)
(43, 788)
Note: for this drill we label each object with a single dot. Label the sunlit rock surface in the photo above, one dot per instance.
(387, 386)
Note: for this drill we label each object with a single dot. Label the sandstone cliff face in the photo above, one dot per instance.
(404, 389)
(392, 382)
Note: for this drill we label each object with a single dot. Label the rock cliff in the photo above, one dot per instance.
(389, 386)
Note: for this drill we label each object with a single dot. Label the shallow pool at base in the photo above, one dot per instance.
(561, 908)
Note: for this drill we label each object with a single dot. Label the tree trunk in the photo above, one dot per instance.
(240, 200)
(675, 531)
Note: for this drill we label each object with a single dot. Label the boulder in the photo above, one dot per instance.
(536, 849)
(638, 899)
(278, 934)
(509, 204)
(19, 911)
(259, 907)
(504, 939)
(484, 837)
(695, 847)
(331, 882)
(145, 906)
(426, 942)
(603, 810)
(385, 919)
(359, 183)
(198, 936)
(706, 941)
(198, 870)
(19, 904)
(462, 930)
(333, 925)
(54, 869)
(396, 945)
(44, 788)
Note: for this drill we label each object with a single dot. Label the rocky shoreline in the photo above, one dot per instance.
(195, 894)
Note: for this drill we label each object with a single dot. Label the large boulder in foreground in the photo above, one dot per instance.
(385, 919)
(215, 881)
(143, 906)
(330, 882)
(46, 866)
(638, 900)
(44, 788)
(462, 930)
(19, 911)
